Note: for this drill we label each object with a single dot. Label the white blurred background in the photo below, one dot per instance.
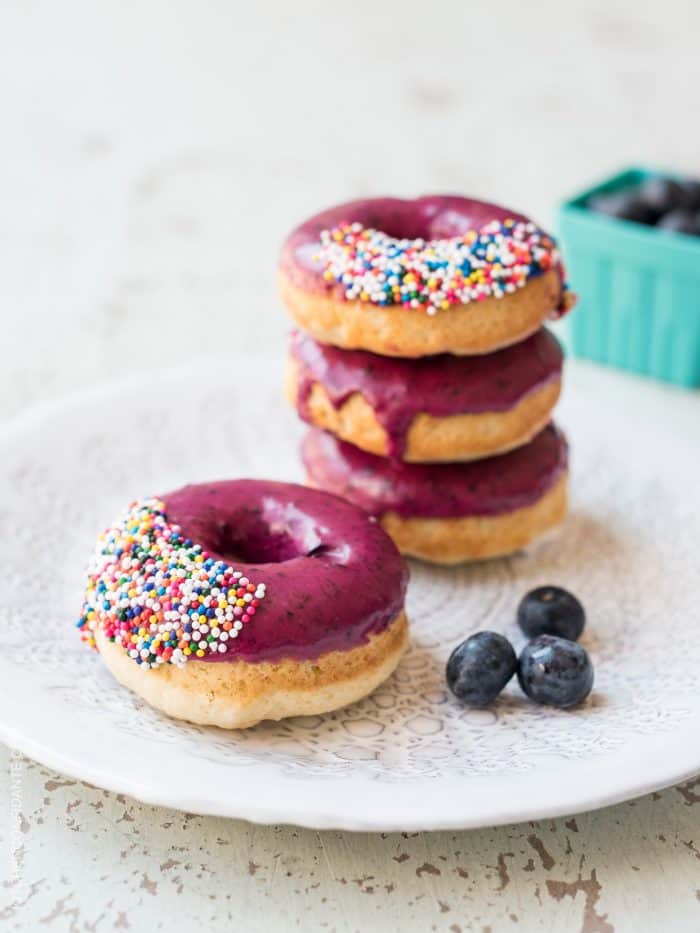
(155, 153)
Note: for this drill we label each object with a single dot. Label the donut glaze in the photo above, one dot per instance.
(492, 486)
(399, 389)
(333, 577)
(430, 217)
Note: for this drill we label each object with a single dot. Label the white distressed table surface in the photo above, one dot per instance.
(153, 156)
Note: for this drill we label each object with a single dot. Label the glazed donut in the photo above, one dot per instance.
(449, 513)
(471, 277)
(437, 408)
(232, 602)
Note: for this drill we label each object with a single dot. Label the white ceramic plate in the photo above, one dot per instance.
(409, 757)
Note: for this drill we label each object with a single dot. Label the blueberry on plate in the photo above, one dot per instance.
(551, 610)
(661, 195)
(679, 221)
(625, 205)
(480, 667)
(555, 671)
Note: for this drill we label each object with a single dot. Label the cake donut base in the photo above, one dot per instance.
(432, 439)
(476, 537)
(239, 694)
(474, 328)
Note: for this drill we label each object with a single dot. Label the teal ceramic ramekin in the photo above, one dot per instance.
(638, 288)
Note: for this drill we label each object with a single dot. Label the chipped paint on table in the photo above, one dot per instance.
(93, 860)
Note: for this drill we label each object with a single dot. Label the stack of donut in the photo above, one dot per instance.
(424, 369)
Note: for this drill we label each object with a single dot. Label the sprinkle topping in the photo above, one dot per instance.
(160, 595)
(431, 275)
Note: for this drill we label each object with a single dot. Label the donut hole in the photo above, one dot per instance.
(256, 544)
(273, 534)
(428, 218)
(238, 523)
(406, 220)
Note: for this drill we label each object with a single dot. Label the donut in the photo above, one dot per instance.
(470, 276)
(449, 513)
(232, 602)
(432, 409)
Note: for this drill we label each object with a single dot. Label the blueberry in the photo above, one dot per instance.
(625, 205)
(691, 195)
(661, 195)
(678, 221)
(555, 671)
(551, 610)
(480, 667)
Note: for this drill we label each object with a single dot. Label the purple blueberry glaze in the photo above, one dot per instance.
(431, 217)
(399, 389)
(452, 490)
(333, 576)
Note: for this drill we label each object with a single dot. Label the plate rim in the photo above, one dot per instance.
(311, 816)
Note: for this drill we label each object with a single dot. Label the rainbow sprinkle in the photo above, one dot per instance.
(432, 275)
(159, 595)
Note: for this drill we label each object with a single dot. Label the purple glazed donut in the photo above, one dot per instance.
(437, 408)
(472, 276)
(296, 595)
(448, 513)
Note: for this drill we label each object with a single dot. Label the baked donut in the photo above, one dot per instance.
(449, 513)
(437, 408)
(471, 277)
(232, 602)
